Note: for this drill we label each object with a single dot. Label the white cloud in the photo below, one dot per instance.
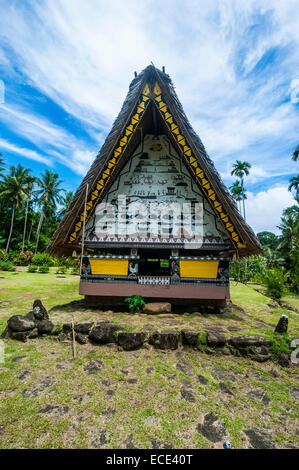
(264, 209)
(83, 55)
(27, 153)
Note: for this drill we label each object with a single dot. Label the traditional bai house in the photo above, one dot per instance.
(152, 216)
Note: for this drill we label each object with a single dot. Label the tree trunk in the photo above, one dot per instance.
(11, 227)
(25, 223)
(38, 230)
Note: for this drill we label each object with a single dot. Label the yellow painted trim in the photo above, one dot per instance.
(118, 152)
(200, 269)
(192, 163)
(109, 266)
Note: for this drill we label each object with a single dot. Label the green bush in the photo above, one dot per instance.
(61, 270)
(75, 270)
(3, 256)
(42, 259)
(7, 266)
(135, 302)
(23, 258)
(32, 268)
(43, 269)
(249, 269)
(274, 280)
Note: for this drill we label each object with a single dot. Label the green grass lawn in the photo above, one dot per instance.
(147, 398)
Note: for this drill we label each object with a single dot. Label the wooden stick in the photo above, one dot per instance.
(83, 231)
(74, 343)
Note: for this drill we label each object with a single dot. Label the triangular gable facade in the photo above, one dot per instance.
(152, 104)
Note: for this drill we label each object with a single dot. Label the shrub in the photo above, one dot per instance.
(3, 256)
(23, 258)
(135, 302)
(43, 269)
(249, 269)
(41, 259)
(32, 268)
(274, 280)
(75, 270)
(61, 270)
(7, 266)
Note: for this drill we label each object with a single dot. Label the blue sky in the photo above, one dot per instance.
(66, 66)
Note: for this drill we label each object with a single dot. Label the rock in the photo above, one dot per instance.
(215, 339)
(18, 358)
(259, 438)
(190, 337)
(39, 311)
(33, 334)
(80, 338)
(202, 380)
(244, 341)
(129, 442)
(6, 333)
(224, 388)
(129, 340)
(54, 410)
(274, 372)
(19, 335)
(156, 444)
(67, 327)
(259, 395)
(94, 366)
(57, 331)
(45, 327)
(84, 327)
(104, 332)
(185, 367)
(64, 337)
(187, 395)
(212, 428)
(99, 439)
(24, 374)
(167, 340)
(157, 307)
(39, 387)
(283, 359)
(20, 323)
(282, 325)
(221, 374)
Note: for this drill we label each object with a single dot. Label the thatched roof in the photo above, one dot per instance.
(152, 100)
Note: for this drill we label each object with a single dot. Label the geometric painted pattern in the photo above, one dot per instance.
(179, 137)
(113, 163)
(194, 167)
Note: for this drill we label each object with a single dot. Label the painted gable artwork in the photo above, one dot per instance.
(152, 216)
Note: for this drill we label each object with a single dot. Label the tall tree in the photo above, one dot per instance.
(30, 184)
(289, 227)
(241, 169)
(1, 165)
(236, 190)
(66, 202)
(49, 195)
(295, 155)
(294, 184)
(14, 191)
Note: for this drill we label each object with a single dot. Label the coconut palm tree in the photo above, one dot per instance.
(31, 180)
(14, 191)
(294, 184)
(295, 155)
(289, 227)
(241, 169)
(48, 195)
(1, 167)
(236, 190)
(66, 202)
